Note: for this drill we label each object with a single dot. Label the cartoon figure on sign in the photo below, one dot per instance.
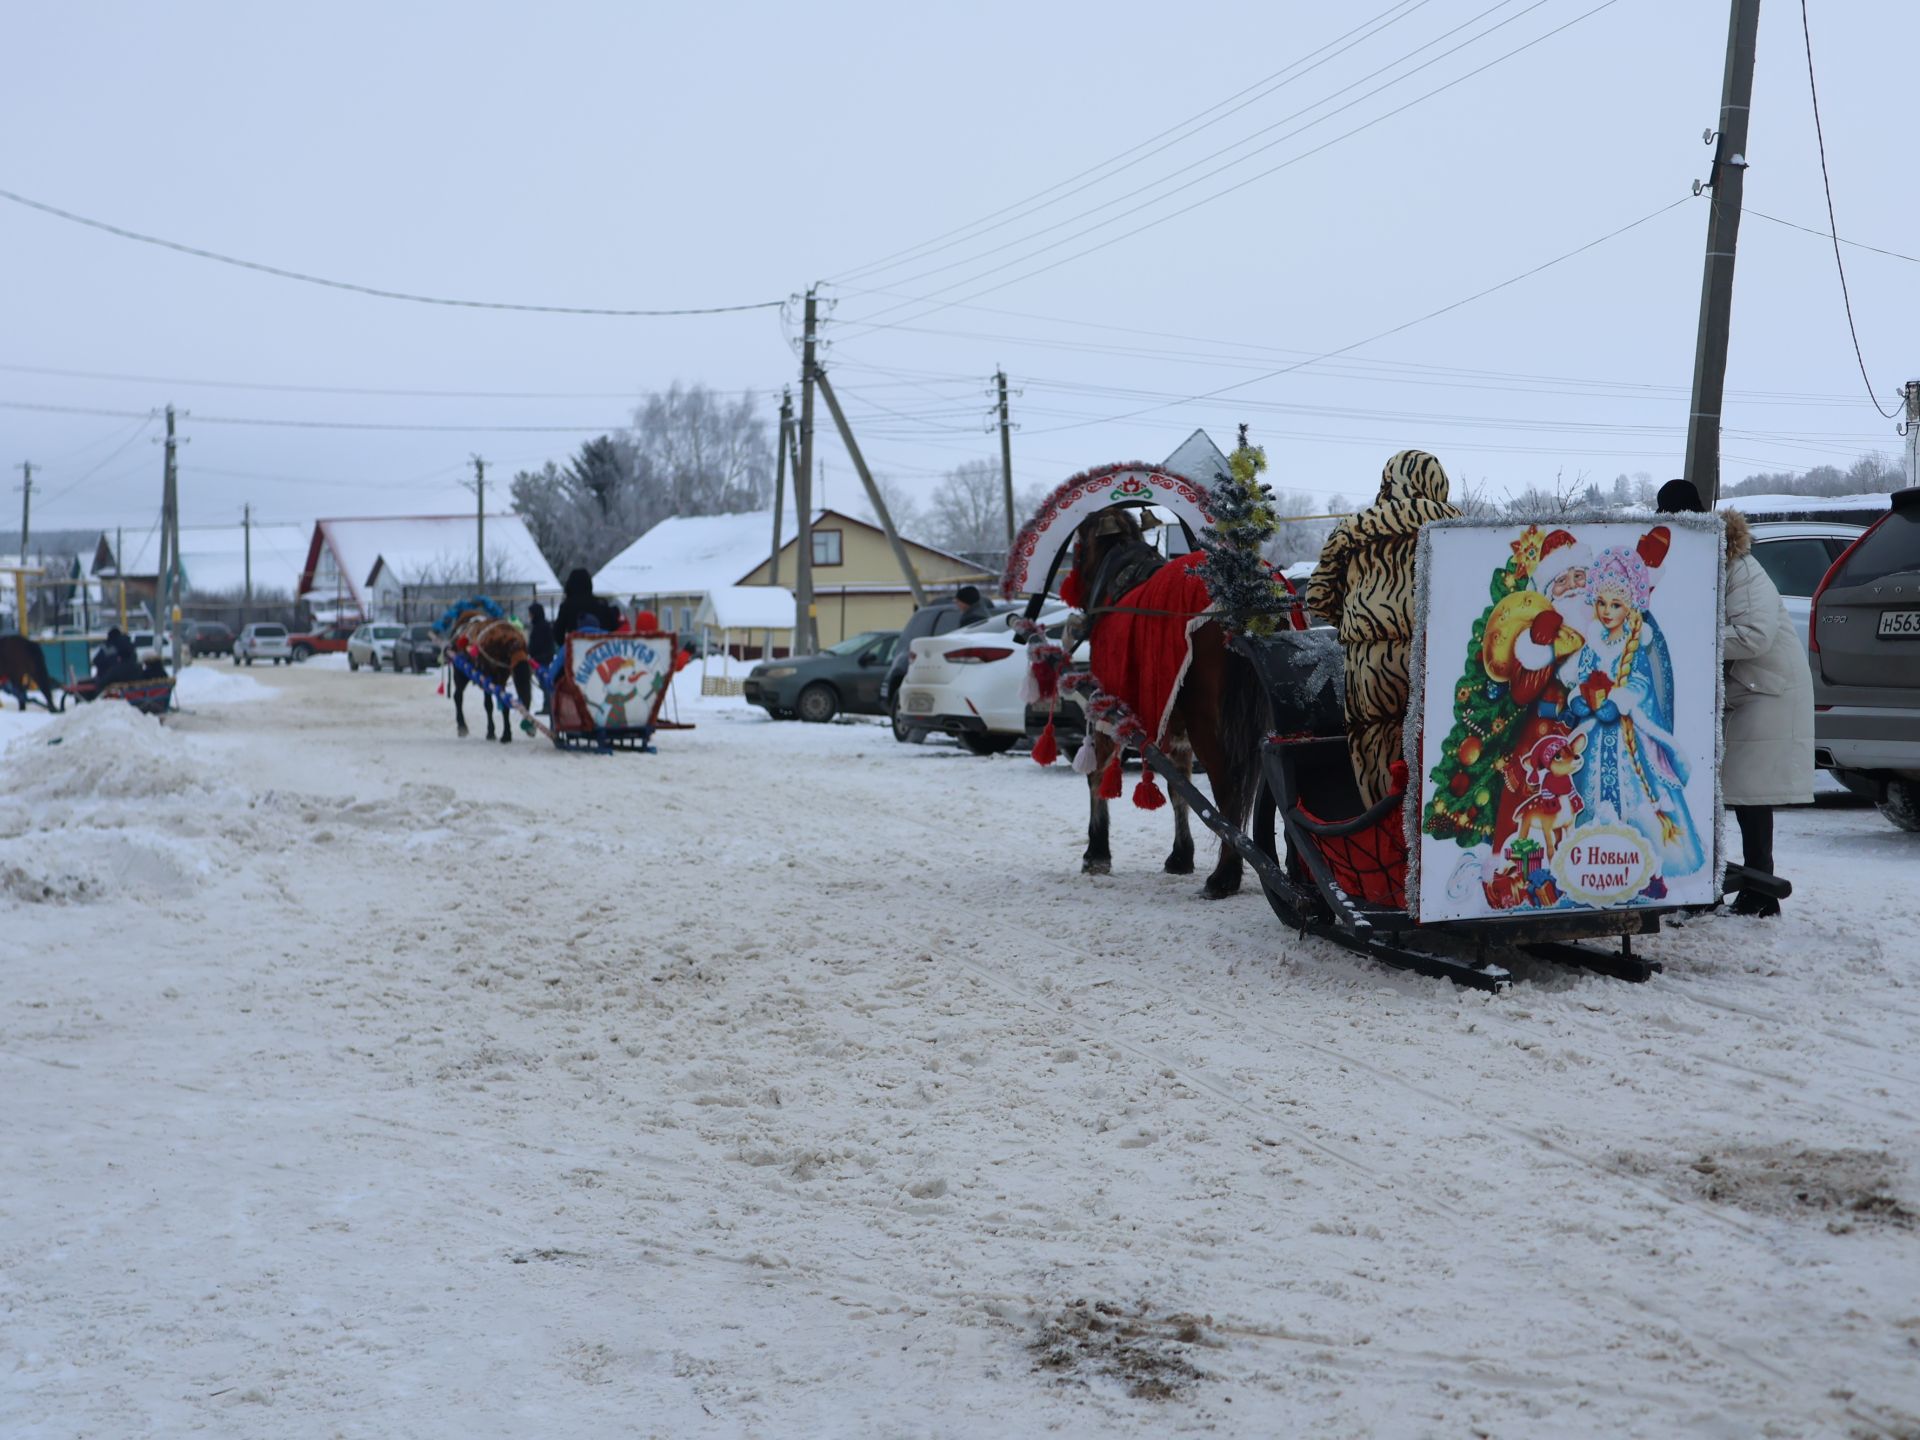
(1621, 688)
(1549, 767)
(610, 671)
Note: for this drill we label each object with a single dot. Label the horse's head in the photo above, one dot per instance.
(1097, 537)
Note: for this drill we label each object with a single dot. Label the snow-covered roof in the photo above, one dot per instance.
(747, 607)
(692, 554)
(1797, 504)
(419, 547)
(1197, 459)
(215, 556)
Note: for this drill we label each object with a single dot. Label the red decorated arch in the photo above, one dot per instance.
(1131, 482)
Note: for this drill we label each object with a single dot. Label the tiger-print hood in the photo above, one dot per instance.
(1413, 491)
(1739, 535)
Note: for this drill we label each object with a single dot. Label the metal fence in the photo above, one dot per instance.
(424, 604)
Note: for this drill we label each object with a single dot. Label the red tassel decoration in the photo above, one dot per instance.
(1147, 794)
(1046, 749)
(442, 690)
(1110, 777)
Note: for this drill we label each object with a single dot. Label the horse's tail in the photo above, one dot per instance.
(1242, 731)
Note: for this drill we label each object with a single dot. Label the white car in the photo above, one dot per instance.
(262, 641)
(967, 682)
(373, 645)
(148, 646)
(1795, 554)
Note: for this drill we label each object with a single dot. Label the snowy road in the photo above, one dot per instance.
(363, 1082)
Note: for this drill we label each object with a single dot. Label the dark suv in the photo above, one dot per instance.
(843, 677)
(935, 619)
(1865, 649)
(209, 637)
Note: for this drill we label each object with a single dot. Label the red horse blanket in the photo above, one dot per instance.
(1141, 658)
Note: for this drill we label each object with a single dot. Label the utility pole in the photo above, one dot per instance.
(480, 520)
(1723, 233)
(167, 621)
(874, 498)
(26, 520)
(805, 636)
(1006, 455)
(779, 503)
(246, 524)
(1911, 429)
(119, 571)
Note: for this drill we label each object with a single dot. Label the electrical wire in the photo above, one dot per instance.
(414, 394)
(1273, 83)
(872, 322)
(1384, 334)
(200, 419)
(1827, 235)
(1806, 30)
(372, 290)
(121, 449)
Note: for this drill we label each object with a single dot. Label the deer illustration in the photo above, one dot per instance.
(1549, 767)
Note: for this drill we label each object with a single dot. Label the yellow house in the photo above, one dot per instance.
(857, 584)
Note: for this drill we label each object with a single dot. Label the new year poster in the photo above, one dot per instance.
(1569, 707)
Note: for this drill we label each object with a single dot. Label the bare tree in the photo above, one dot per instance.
(1305, 524)
(968, 513)
(706, 454)
(901, 505)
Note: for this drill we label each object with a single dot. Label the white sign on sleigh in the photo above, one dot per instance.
(1565, 725)
(621, 677)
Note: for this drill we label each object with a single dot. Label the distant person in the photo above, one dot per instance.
(972, 608)
(116, 660)
(580, 608)
(540, 643)
(1767, 755)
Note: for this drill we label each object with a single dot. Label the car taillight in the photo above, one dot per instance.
(1813, 608)
(978, 654)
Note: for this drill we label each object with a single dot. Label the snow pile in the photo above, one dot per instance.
(102, 751)
(209, 685)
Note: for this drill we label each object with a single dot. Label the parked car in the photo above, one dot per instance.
(261, 641)
(209, 637)
(422, 650)
(935, 619)
(152, 645)
(328, 640)
(1866, 664)
(844, 677)
(967, 682)
(372, 644)
(1796, 554)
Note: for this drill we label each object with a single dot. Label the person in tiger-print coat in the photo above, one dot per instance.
(1363, 586)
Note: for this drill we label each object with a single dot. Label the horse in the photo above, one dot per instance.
(498, 650)
(1218, 711)
(22, 664)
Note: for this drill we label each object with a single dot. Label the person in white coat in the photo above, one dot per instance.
(1768, 755)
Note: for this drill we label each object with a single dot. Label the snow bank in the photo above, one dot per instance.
(209, 685)
(102, 751)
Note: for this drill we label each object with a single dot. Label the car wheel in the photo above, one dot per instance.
(236, 658)
(980, 743)
(1902, 805)
(817, 704)
(903, 732)
(352, 664)
(301, 652)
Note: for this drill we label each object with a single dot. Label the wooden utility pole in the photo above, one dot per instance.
(874, 498)
(1006, 456)
(480, 521)
(167, 622)
(246, 524)
(806, 637)
(119, 570)
(26, 520)
(1911, 429)
(1723, 233)
(779, 503)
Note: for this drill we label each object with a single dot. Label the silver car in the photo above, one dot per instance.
(1796, 554)
(261, 641)
(1866, 664)
(374, 645)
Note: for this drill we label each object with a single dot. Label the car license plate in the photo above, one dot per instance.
(919, 702)
(1900, 624)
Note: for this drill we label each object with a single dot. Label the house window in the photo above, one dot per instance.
(826, 547)
(686, 619)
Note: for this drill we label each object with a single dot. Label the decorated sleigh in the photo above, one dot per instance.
(1486, 851)
(606, 690)
(149, 694)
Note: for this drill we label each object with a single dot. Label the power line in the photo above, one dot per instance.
(1271, 83)
(65, 490)
(1828, 235)
(1395, 330)
(1806, 31)
(397, 393)
(321, 424)
(871, 322)
(372, 290)
(1225, 149)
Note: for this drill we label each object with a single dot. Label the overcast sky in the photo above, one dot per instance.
(628, 156)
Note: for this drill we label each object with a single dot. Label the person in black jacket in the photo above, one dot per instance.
(580, 605)
(540, 642)
(116, 660)
(972, 608)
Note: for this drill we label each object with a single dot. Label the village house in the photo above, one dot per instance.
(684, 561)
(408, 567)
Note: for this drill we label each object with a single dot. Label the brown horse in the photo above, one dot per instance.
(22, 664)
(498, 650)
(1218, 713)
